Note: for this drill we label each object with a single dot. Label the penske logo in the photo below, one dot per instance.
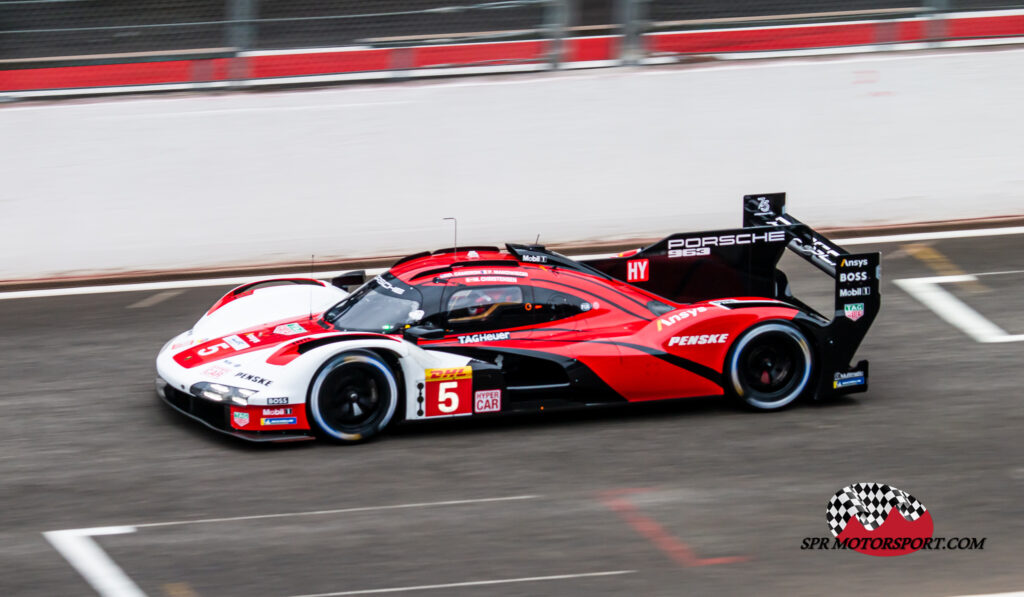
(701, 339)
(450, 374)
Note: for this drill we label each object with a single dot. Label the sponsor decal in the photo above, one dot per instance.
(241, 418)
(278, 421)
(853, 277)
(502, 279)
(859, 291)
(816, 249)
(272, 401)
(535, 258)
(384, 283)
(701, 339)
(484, 272)
(637, 270)
(449, 392)
(236, 342)
(263, 381)
(854, 311)
(491, 337)
(679, 316)
(270, 412)
(853, 263)
(185, 343)
(289, 329)
(487, 401)
(853, 378)
(678, 246)
(215, 371)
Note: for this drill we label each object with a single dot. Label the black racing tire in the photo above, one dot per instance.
(770, 366)
(352, 397)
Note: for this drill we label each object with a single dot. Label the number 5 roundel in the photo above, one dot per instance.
(449, 392)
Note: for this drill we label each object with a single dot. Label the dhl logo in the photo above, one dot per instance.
(449, 374)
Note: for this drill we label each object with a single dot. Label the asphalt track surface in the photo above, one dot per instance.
(693, 498)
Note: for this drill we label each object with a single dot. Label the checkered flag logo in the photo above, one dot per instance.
(871, 503)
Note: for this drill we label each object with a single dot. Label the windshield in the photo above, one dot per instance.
(383, 305)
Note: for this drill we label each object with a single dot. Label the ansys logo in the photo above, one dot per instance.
(879, 520)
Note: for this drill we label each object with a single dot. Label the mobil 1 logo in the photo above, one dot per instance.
(857, 276)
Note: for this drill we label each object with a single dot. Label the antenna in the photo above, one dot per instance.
(312, 261)
(455, 222)
(537, 242)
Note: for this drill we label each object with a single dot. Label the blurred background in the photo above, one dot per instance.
(598, 101)
(182, 147)
(59, 33)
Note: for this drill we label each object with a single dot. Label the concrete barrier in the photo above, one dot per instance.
(177, 182)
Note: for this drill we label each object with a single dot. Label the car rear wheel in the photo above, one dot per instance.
(353, 397)
(769, 367)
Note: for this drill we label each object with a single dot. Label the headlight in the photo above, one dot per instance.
(219, 392)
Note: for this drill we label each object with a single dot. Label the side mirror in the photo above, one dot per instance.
(349, 279)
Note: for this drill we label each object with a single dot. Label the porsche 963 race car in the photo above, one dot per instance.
(479, 331)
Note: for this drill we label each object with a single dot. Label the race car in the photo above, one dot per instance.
(480, 331)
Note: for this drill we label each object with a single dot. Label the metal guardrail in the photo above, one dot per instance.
(225, 34)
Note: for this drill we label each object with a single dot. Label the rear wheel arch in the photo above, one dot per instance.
(768, 345)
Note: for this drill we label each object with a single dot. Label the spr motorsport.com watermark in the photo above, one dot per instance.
(882, 520)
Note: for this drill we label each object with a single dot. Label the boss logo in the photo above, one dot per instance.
(853, 277)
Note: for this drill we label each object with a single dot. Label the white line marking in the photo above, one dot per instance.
(342, 511)
(1013, 594)
(78, 548)
(150, 116)
(1002, 273)
(141, 286)
(110, 288)
(474, 583)
(954, 311)
(155, 299)
(110, 581)
(939, 235)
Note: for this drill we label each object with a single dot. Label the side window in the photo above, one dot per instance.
(551, 305)
(486, 308)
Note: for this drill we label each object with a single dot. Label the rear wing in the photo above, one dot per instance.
(743, 262)
(857, 275)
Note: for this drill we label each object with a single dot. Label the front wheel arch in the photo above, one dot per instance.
(373, 378)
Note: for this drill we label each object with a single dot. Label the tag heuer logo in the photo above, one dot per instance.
(241, 419)
(854, 311)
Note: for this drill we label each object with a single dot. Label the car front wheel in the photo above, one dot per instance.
(353, 397)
